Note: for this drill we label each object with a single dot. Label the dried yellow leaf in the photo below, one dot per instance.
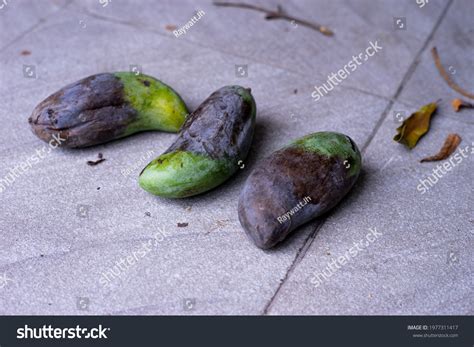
(415, 126)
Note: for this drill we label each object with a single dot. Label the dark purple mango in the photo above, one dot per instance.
(297, 184)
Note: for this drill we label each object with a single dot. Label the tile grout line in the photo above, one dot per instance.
(215, 49)
(309, 240)
(146, 28)
(411, 69)
(299, 256)
(31, 29)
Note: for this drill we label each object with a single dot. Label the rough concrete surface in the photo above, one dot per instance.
(64, 223)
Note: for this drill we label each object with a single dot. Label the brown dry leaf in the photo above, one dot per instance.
(415, 126)
(449, 146)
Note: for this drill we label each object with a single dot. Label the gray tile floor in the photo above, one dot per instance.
(59, 232)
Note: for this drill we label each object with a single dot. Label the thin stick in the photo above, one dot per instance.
(446, 77)
(279, 14)
(457, 104)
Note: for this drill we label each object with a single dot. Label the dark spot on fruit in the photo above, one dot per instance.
(352, 144)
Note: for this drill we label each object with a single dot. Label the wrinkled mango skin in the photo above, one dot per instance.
(212, 141)
(107, 106)
(297, 184)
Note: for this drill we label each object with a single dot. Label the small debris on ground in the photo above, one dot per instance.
(182, 225)
(171, 27)
(449, 146)
(99, 160)
(459, 103)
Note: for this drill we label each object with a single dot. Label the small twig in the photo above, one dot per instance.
(446, 77)
(278, 14)
(98, 161)
(94, 163)
(459, 103)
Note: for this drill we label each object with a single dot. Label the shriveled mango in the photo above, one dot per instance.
(209, 147)
(108, 106)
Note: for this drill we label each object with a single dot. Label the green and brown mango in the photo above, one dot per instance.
(296, 184)
(107, 106)
(209, 147)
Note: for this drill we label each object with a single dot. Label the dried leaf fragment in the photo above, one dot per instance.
(459, 103)
(415, 126)
(449, 146)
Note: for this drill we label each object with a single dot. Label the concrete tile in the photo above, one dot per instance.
(60, 231)
(18, 17)
(246, 35)
(421, 264)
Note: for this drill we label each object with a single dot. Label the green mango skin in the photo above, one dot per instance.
(105, 107)
(208, 149)
(296, 184)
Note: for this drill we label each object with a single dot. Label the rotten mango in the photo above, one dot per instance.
(297, 184)
(108, 106)
(212, 141)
